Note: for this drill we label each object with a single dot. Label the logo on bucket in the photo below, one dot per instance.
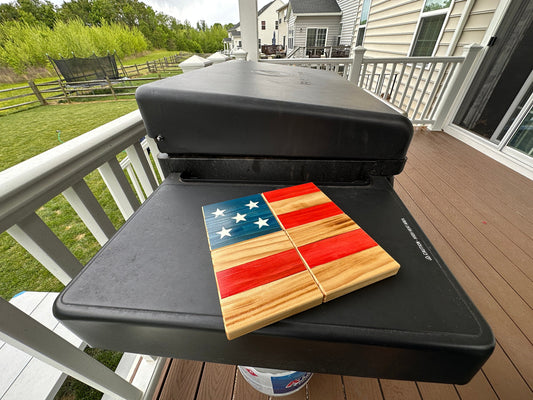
(289, 383)
(275, 382)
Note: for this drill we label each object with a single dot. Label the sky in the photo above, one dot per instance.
(223, 11)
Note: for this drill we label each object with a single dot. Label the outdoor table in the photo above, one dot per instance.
(151, 288)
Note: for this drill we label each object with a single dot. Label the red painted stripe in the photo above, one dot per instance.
(309, 214)
(256, 273)
(293, 191)
(336, 247)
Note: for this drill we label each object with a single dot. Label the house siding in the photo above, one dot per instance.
(392, 25)
(302, 23)
(349, 14)
(270, 16)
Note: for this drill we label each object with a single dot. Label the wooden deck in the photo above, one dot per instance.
(479, 216)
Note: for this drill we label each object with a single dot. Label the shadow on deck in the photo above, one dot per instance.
(479, 216)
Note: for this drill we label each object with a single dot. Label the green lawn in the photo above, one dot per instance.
(153, 55)
(141, 59)
(28, 133)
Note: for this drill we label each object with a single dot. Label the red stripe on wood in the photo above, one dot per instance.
(256, 273)
(309, 214)
(293, 191)
(336, 247)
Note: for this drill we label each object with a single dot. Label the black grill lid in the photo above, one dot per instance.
(261, 110)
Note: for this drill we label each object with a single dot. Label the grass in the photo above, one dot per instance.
(23, 135)
(152, 55)
(142, 59)
(28, 133)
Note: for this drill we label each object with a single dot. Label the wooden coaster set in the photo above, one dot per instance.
(281, 252)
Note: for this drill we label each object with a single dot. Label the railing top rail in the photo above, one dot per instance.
(367, 60)
(412, 60)
(344, 60)
(30, 184)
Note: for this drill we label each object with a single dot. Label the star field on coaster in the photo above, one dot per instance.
(281, 252)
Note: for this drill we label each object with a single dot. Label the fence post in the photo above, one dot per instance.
(111, 87)
(443, 111)
(357, 63)
(37, 93)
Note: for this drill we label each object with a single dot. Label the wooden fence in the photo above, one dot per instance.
(59, 90)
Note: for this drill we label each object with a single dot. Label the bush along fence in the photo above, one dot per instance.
(61, 91)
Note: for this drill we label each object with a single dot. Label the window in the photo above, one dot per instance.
(430, 27)
(259, 42)
(276, 27)
(263, 25)
(290, 40)
(365, 10)
(315, 41)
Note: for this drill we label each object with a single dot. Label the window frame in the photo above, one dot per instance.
(316, 33)
(361, 26)
(443, 11)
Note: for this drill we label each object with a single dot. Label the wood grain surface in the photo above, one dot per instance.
(284, 251)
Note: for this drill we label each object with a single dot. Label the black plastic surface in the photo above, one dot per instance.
(151, 290)
(248, 109)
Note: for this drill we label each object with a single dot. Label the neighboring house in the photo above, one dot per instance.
(313, 25)
(494, 110)
(234, 40)
(268, 24)
(283, 25)
(349, 10)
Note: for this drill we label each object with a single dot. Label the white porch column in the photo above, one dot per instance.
(444, 111)
(357, 63)
(248, 19)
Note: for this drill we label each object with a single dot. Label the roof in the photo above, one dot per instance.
(314, 6)
(234, 27)
(264, 8)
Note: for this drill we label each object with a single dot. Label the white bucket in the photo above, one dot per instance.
(275, 382)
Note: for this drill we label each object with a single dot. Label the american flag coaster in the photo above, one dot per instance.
(281, 252)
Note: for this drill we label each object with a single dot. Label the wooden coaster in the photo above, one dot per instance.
(282, 252)
(340, 255)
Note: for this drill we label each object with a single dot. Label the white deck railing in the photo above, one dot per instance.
(421, 87)
(29, 185)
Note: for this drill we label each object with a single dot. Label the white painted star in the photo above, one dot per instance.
(239, 217)
(218, 213)
(261, 222)
(252, 204)
(224, 232)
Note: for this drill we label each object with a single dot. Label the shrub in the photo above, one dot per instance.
(23, 46)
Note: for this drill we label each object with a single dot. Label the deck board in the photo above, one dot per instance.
(478, 214)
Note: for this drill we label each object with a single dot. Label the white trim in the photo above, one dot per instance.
(511, 110)
(489, 149)
(331, 14)
(499, 15)
(459, 29)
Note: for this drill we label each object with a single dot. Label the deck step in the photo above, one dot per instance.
(23, 376)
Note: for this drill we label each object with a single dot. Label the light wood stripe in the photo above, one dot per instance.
(355, 271)
(299, 202)
(264, 305)
(322, 229)
(250, 250)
